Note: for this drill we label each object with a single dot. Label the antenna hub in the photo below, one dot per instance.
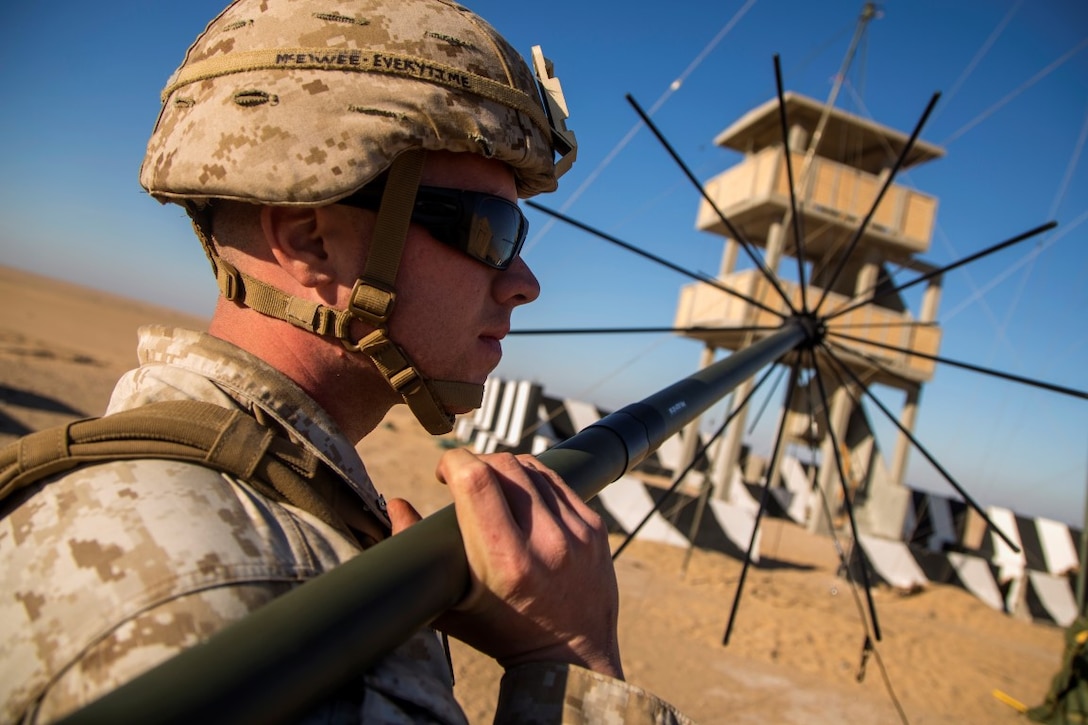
(814, 327)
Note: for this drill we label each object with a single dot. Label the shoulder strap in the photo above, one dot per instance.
(225, 440)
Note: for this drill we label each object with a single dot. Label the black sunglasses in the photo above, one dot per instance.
(486, 227)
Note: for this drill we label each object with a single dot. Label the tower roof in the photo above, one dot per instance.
(871, 148)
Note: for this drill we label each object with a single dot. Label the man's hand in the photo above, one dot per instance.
(543, 586)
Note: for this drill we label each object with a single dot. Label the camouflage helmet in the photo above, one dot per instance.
(302, 102)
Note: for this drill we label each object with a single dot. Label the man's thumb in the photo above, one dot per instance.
(401, 514)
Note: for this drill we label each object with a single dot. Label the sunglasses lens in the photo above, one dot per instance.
(485, 227)
(496, 232)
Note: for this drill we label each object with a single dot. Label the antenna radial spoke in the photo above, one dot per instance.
(921, 449)
(968, 366)
(637, 330)
(654, 258)
(938, 272)
(856, 238)
(863, 560)
(741, 239)
(881, 325)
(766, 403)
(798, 237)
(701, 453)
(870, 359)
(763, 499)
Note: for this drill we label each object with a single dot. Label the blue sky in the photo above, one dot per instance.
(80, 86)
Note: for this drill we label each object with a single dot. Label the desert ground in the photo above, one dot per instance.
(795, 651)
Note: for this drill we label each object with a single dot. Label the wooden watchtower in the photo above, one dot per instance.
(840, 162)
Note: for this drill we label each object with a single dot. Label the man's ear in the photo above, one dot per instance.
(296, 238)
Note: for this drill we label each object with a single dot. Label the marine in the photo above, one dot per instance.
(382, 271)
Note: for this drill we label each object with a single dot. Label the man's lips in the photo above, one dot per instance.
(493, 339)
(496, 333)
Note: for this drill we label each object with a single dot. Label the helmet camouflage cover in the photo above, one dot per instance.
(302, 102)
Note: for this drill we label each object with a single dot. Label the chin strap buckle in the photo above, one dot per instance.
(228, 279)
(372, 302)
(393, 364)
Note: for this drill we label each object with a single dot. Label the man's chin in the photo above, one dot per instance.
(477, 380)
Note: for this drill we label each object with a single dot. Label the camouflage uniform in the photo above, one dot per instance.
(116, 567)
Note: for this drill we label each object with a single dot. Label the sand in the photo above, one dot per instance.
(796, 646)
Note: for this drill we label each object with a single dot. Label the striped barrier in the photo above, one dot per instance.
(943, 540)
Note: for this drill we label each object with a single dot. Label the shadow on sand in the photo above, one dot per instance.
(15, 398)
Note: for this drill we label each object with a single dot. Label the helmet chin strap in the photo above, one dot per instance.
(372, 301)
(373, 298)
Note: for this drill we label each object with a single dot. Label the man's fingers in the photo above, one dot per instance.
(476, 493)
(543, 586)
(543, 484)
(574, 514)
(401, 514)
(488, 528)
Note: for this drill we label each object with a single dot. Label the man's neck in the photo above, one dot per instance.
(344, 383)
